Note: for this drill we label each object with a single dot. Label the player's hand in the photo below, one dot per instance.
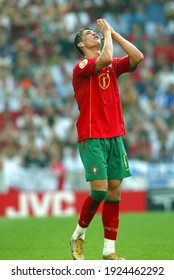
(103, 26)
(112, 30)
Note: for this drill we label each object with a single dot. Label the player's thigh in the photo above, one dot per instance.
(118, 166)
(114, 189)
(93, 158)
(114, 184)
(99, 185)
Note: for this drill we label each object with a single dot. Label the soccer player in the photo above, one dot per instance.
(100, 128)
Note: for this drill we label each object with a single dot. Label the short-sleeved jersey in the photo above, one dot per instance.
(98, 98)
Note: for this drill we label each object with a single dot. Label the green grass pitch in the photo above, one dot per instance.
(141, 236)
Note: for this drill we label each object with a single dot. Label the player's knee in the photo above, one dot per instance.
(114, 194)
(98, 195)
(112, 199)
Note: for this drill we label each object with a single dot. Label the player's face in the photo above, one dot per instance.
(90, 38)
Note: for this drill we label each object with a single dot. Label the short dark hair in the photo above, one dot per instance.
(78, 39)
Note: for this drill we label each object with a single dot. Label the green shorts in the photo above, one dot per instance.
(104, 158)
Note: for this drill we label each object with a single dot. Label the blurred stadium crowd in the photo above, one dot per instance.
(37, 108)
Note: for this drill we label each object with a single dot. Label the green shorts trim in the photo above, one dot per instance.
(104, 158)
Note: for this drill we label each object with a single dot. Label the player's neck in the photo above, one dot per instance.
(92, 53)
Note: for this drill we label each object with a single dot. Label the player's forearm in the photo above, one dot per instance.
(106, 54)
(135, 55)
(107, 50)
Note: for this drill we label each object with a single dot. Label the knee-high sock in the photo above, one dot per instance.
(110, 219)
(89, 208)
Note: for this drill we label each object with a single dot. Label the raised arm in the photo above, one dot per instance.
(135, 55)
(106, 55)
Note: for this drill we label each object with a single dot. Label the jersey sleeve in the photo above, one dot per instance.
(84, 68)
(121, 65)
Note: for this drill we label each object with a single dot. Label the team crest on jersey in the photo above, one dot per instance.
(83, 63)
(104, 80)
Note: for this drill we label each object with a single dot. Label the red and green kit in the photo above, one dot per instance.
(101, 119)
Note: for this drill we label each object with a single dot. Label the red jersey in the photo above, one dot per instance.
(98, 98)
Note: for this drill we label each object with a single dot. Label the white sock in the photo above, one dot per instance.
(108, 247)
(79, 232)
